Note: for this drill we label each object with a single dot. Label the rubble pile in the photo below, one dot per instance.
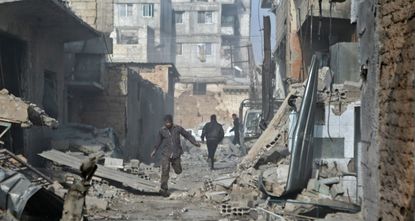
(263, 173)
(274, 140)
(15, 110)
(85, 139)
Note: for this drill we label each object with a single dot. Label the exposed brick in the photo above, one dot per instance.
(396, 110)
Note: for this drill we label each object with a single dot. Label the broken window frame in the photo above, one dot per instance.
(125, 9)
(122, 41)
(147, 10)
(178, 16)
(205, 17)
(179, 48)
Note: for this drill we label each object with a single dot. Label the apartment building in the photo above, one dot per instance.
(143, 31)
(212, 54)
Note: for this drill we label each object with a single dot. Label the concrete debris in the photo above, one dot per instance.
(231, 210)
(341, 216)
(273, 155)
(114, 163)
(15, 110)
(15, 163)
(329, 181)
(275, 134)
(40, 118)
(224, 181)
(270, 216)
(328, 169)
(86, 139)
(336, 189)
(325, 79)
(94, 203)
(217, 196)
(114, 176)
(208, 185)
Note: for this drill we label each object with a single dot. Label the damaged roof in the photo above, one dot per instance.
(52, 15)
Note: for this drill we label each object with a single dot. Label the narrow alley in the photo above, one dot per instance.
(211, 110)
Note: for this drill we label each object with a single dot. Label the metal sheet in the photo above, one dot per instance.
(15, 191)
(302, 153)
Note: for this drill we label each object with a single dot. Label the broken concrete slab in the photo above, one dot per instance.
(217, 196)
(95, 203)
(273, 155)
(330, 181)
(313, 185)
(114, 163)
(15, 110)
(273, 134)
(84, 138)
(336, 189)
(113, 176)
(224, 181)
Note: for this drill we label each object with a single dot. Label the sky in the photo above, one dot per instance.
(256, 29)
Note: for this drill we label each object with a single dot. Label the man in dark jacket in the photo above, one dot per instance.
(235, 129)
(168, 142)
(213, 132)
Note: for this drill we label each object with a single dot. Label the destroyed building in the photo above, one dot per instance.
(357, 125)
(132, 105)
(32, 62)
(338, 94)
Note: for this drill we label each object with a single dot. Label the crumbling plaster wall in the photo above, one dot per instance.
(386, 29)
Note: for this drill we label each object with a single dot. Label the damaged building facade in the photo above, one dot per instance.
(364, 114)
(213, 57)
(32, 62)
(132, 105)
(109, 87)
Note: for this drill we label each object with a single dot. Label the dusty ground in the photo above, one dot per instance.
(150, 206)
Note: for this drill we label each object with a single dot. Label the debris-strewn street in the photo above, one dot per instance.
(222, 110)
(189, 199)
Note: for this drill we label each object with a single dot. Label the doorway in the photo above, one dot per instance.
(12, 51)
